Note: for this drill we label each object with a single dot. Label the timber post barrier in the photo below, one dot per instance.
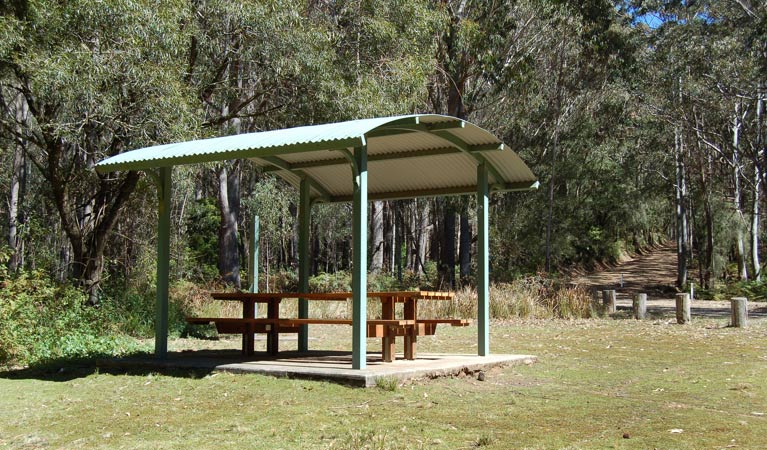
(608, 300)
(640, 306)
(683, 308)
(739, 315)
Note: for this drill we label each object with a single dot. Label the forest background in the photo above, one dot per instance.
(643, 120)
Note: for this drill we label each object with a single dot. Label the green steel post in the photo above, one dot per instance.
(255, 239)
(304, 229)
(164, 189)
(360, 259)
(483, 264)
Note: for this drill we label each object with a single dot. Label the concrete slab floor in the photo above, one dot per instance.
(330, 366)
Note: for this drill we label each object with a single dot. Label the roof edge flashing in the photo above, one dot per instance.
(116, 163)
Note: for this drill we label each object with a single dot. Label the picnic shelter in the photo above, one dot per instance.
(385, 158)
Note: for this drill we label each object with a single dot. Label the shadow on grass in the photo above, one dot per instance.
(68, 369)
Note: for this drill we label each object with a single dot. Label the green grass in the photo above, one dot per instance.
(596, 381)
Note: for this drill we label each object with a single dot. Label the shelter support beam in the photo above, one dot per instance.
(304, 267)
(360, 259)
(483, 263)
(255, 238)
(164, 189)
(277, 164)
(254, 247)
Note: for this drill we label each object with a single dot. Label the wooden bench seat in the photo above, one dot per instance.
(233, 325)
(451, 322)
(388, 329)
(393, 322)
(375, 327)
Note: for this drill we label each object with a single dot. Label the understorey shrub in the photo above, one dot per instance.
(41, 321)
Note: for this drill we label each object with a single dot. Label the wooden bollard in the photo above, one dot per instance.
(608, 300)
(640, 306)
(739, 317)
(683, 308)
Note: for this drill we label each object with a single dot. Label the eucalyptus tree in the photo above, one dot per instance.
(382, 57)
(481, 47)
(96, 78)
(244, 60)
(711, 55)
(567, 110)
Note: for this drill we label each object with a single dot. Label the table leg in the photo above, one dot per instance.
(411, 337)
(273, 336)
(248, 339)
(389, 338)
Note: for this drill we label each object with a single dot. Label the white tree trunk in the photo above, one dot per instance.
(741, 220)
(422, 207)
(681, 212)
(377, 236)
(757, 186)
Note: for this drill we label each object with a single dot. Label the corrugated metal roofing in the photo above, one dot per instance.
(408, 156)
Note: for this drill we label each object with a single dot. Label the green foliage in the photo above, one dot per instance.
(389, 384)
(559, 81)
(754, 291)
(331, 282)
(132, 311)
(40, 320)
(202, 238)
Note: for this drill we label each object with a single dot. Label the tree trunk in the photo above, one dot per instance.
(411, 241)
(423, 234)
(740, 244)
(554, 149)
(680, 197)
(759, 144)
(65, 259)
(316, 248)
(398, 238)
(18, 183)
(708, 273)
(377, 236)
(89, 237)
(456, 94)
(435, 238)
(755, 264)
(464, 250)
(706, 171)
(229, 206)
(390, 230)
(448, 250)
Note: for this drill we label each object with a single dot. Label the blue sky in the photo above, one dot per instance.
(651, 20)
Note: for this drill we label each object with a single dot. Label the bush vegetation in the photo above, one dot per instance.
(42, 320)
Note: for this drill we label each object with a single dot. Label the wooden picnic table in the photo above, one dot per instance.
(387, 328)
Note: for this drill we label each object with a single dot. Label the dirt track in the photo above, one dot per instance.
(654, 273)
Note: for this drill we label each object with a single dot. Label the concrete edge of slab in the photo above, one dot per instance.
(426, 366)
(449, 369)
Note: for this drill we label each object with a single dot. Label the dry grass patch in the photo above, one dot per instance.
(531, 297)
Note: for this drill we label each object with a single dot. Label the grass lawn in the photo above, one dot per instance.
(602, 383)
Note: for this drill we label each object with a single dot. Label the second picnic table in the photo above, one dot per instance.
(387, 328)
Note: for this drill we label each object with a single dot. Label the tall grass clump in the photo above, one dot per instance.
(530, 297)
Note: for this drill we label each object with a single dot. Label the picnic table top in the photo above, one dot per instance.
(267, 296)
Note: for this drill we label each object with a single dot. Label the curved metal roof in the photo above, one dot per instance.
(408, 156)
